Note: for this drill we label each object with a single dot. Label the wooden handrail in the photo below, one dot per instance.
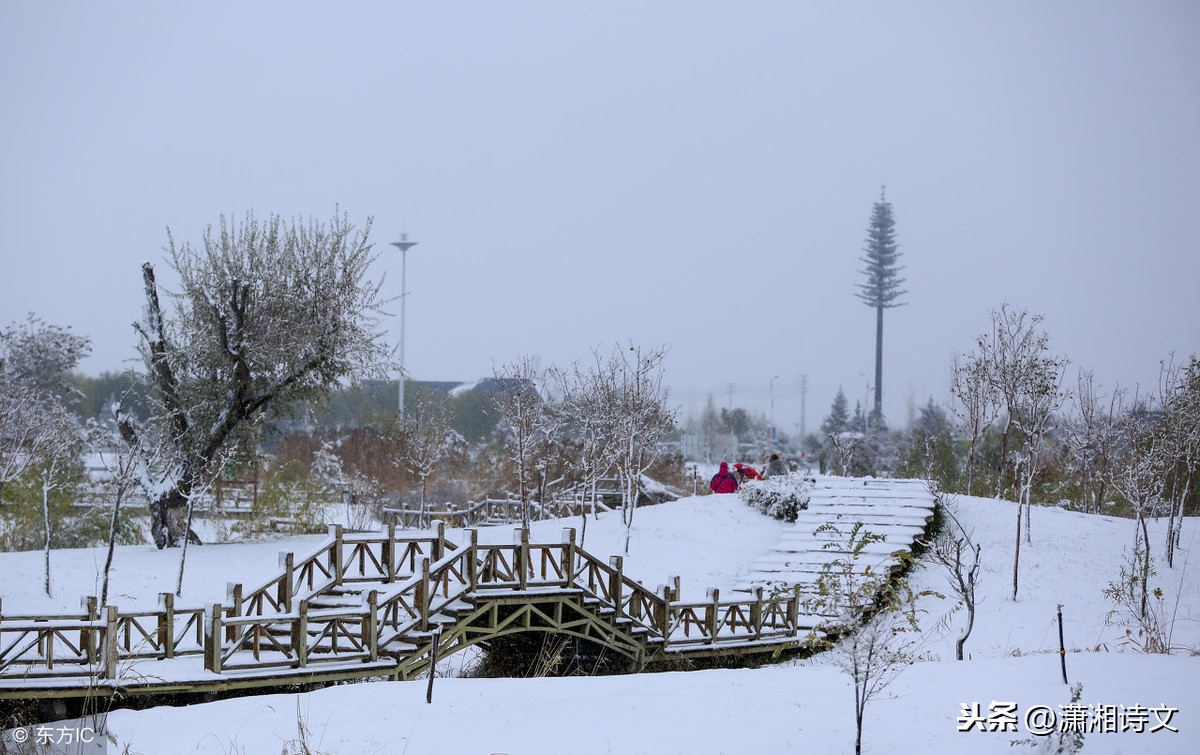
(416, 580)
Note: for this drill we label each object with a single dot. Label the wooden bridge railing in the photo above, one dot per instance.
(409, 586)
(346, 558)
(475, 513)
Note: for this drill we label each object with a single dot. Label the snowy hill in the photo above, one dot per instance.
(713, 541)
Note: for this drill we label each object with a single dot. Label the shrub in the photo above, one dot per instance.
(778, 497)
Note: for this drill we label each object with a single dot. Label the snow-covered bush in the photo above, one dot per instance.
(778, 497)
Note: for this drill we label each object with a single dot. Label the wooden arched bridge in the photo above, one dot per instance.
(387, 604)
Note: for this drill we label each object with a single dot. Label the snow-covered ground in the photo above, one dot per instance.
(803, 706)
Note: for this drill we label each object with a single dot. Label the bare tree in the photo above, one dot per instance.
(1180, 398)
(35, 358)
(23, 433)
(63, 441)
(976, 405)
(520, 404)
(267, 315)
(1044, 396)
(121, 467)
(958, 554)
(873, 618)
(589, 409)
(1028, 380)
(846, 443)
(1139, 476)
(643, 419)
(36, 430)
(425, 430)
(1089, 434)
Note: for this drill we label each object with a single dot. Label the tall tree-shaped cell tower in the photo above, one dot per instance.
(883, 284)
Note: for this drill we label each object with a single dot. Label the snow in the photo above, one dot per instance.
(709, 541)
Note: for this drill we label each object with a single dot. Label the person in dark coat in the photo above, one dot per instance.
(776, 466)
(723, 481)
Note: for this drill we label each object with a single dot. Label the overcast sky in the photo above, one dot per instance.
(685, 173)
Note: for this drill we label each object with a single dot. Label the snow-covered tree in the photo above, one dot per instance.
(882, 288)
(1028, 379)
(37, 432)
(520, 404)
(839, 415)
(976, 404)
(268, 314)
(929, 449)
(643, 418)
(1139, 475)
(35, 359)
(426, 435)
(958, 554)
(122, 480)
(588, 407)
(1089, 434)
(1181, 428)
(839, 438)
(871, 617)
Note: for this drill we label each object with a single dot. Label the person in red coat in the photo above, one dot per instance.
(722, 481)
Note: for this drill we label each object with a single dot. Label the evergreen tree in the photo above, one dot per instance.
(858, 422)
(883, 286)
(929, 451)
(839, 415)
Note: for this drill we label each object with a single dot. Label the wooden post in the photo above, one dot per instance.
(615, 582)
(423, 597)
(793, 610)
(712, 612)
(286, 582)
(87, 638)
(522, 564)
(335, 553)
(472, 560)
(371, 626)
(110, 642)
(233, 593)
(212, 638)
(756, 613)
(439, 541)
(568, 566)
(300, 635)
(663, 620)
(389, 552)
(166, 624)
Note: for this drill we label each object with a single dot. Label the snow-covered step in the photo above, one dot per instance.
(897, 511)
(894, 516)
(819, 560)
(890, 534)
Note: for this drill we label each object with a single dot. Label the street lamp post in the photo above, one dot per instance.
(403, 245)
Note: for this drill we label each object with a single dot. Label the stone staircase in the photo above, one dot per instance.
(898, 511)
